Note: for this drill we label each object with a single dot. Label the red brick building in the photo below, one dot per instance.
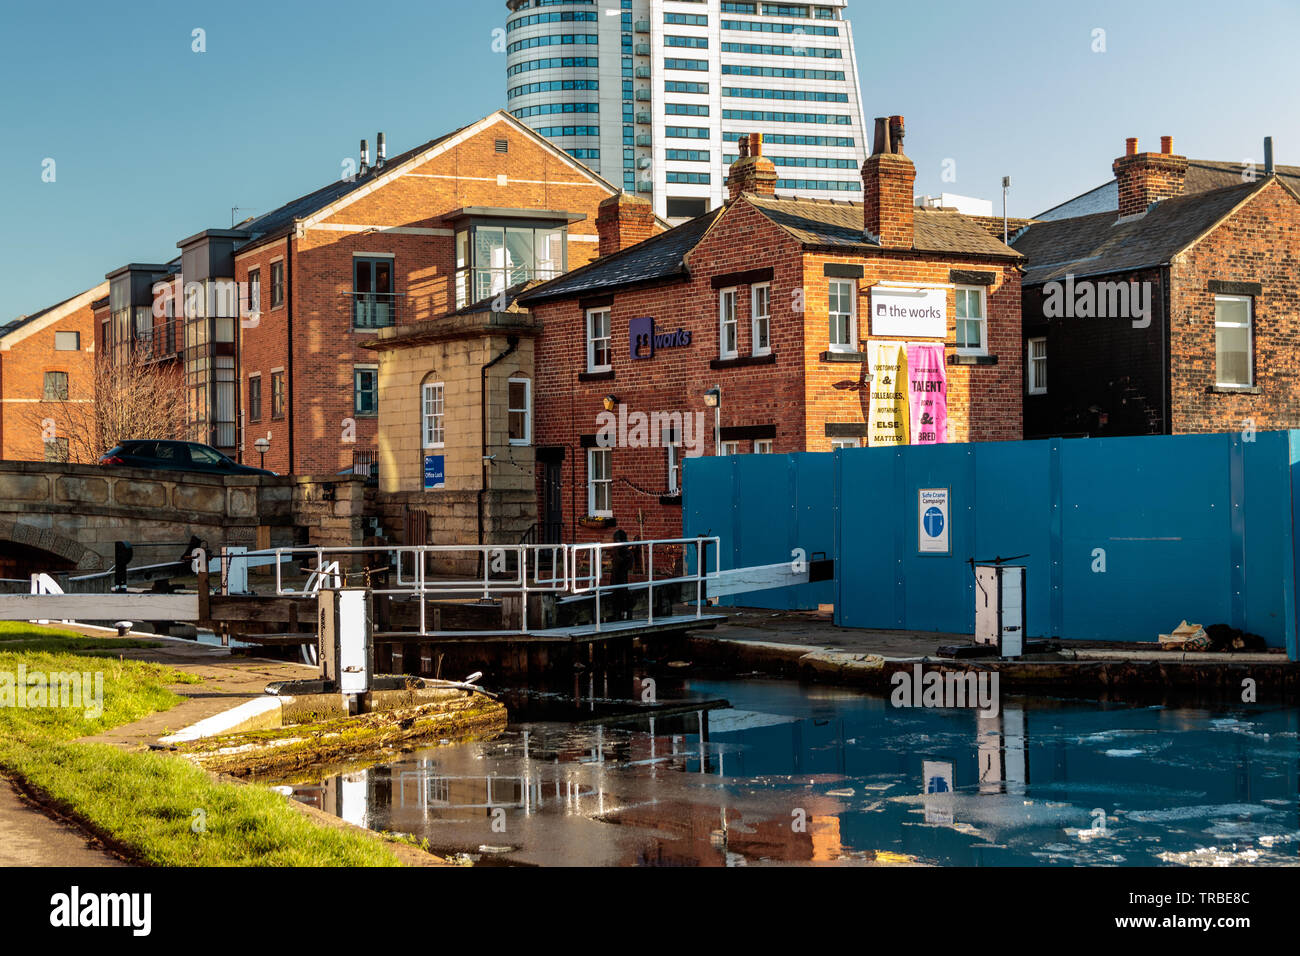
(1166, 301)
(767, 301)
(47, 368)
(411, 239)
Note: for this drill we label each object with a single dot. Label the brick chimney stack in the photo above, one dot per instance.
(888, 177)
(1145, 178)
(623, 220)
(752, 172)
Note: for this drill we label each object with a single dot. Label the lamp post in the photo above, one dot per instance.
(713, 400)
(263, 446)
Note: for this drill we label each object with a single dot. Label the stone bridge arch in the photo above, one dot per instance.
(30, 542)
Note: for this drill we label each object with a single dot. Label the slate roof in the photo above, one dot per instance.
(658, 257)
(1101, 243)
(830, 223)
(815, 223)
(1203, 175)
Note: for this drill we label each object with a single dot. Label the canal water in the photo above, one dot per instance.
(791, 773)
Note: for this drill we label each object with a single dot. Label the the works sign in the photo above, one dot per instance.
(645, 341)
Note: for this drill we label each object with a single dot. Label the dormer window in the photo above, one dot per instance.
(492, 256)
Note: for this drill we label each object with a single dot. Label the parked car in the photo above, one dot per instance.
(175, 456)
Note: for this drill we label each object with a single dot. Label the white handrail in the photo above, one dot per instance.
(575, 570)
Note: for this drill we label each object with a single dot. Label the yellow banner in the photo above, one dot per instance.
(890, 413)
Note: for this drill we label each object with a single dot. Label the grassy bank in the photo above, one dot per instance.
(161, 810)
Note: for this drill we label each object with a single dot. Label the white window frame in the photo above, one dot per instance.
(983, 347)
(433, 424)
(592, 339)
(592, 482)
(765, 316)
(674, 469)
(671, 440)
(725, 322)
(1034, 386)
(729, 448)
(845, 443)
(1250, 339)
(527, 410)
(764, 446)
(852, 344)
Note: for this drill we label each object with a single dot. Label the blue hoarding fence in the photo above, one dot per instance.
(1123, 538)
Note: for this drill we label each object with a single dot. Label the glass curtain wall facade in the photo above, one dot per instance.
(655, 94)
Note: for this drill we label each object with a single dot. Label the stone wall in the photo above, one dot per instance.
(75, 513)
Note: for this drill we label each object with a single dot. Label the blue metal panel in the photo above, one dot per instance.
(937, 594)
(870, 539)
(1155, 510)
(1013, 501)
(1124, 537)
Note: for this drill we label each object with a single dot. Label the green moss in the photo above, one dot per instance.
(297, 746)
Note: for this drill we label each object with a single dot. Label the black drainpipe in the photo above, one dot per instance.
(512, 343)
(291, 396)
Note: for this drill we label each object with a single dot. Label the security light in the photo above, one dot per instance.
(610, 402)
(713, 397)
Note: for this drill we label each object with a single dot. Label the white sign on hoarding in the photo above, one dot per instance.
(915, 312)
(932, 521)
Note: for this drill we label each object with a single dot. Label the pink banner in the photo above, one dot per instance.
(928, 393)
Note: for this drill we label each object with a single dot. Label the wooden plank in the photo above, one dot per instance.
(99, 607)
(277, 640)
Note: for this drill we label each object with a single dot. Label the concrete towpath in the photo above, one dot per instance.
(29, 837)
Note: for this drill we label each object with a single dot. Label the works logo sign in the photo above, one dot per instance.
(645, 340)
(75, 909)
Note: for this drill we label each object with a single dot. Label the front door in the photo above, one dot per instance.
(553, 513)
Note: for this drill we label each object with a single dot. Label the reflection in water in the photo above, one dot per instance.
(806, 775)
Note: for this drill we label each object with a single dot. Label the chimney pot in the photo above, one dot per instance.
(896, 133)
(1131, 146)
(751, 172)
(381, 150)
(1146, 178)
(888, 178)
(1268, 155)
(365, 157)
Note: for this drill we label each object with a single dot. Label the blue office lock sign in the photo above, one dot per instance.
(933, 527)
(435, 472)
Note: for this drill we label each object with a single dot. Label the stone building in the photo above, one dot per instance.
(455, 422)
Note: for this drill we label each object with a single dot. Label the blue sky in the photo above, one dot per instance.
(153, 142)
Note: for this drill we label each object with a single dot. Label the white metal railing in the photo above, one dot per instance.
(514, 570)
(588, 578)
